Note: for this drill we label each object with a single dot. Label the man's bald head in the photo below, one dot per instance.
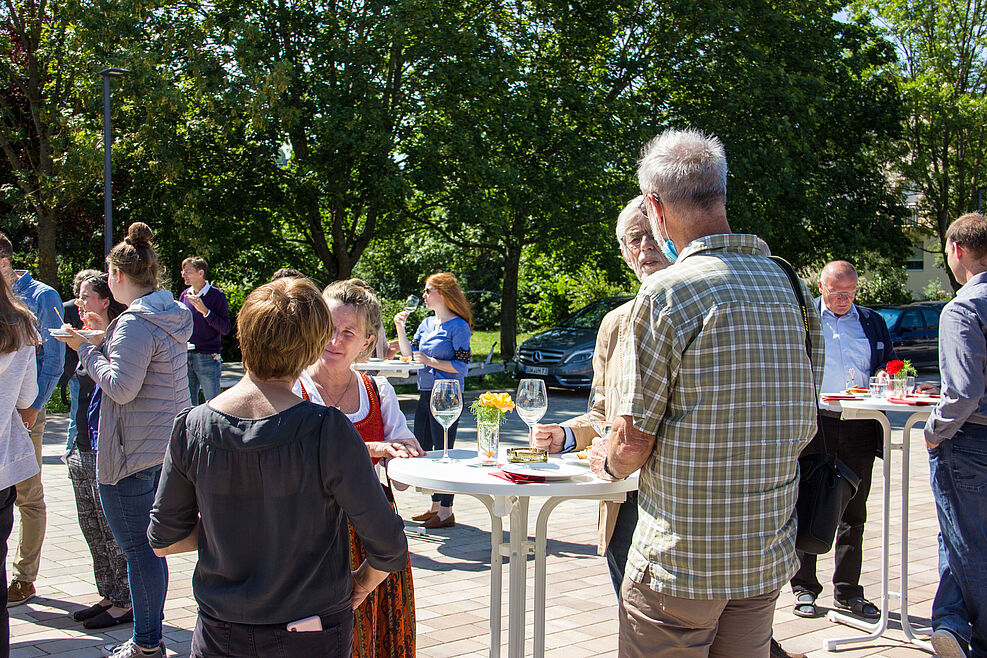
(838, 286)
(838, 270)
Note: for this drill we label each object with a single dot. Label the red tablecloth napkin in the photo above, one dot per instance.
(517, 479)
(910, 401)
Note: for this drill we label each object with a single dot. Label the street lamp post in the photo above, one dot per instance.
(107, 162)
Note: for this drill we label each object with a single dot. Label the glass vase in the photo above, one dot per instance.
(900, 385)
(487, 443)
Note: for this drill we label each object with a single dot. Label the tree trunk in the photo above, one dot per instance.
(47, 263)
(508, 302)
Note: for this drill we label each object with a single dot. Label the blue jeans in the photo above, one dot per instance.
(73, 410)
(203, 370)
(959, 485)
(127, 505)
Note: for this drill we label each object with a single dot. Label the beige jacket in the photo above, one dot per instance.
(607, 361)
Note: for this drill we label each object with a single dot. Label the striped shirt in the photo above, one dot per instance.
(716, 368)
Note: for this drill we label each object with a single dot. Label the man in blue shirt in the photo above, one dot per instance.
(956, 436)
(210, 322)
(44, 302)
(858, 346)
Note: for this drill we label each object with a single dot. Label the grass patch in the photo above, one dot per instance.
(482, 341)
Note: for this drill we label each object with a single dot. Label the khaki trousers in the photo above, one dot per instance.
(654, 625)
(31, 503)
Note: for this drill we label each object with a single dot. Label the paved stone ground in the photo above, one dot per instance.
(451, 571)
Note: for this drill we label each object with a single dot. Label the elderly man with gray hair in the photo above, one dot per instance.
(717, 401)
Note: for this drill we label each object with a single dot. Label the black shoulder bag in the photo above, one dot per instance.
(826, 484)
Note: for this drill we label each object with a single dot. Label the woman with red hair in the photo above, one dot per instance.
(442, 345)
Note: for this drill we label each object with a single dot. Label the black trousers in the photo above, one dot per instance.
(7, 497)
(620, 542)
(213, 638)
(855, 443)
(429, 434)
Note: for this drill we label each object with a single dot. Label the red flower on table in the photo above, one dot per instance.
(894, 367)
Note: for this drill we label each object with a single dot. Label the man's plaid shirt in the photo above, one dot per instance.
(715, 366)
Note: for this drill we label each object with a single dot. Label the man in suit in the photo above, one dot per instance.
(643, 256)
(858, 343)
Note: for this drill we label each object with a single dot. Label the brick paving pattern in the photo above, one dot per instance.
(451, 570)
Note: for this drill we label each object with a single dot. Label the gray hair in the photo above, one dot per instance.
(631, 211)
(684, 166)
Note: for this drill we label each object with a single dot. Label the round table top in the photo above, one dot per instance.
(880, 404)
(390, 365)
(466, 476)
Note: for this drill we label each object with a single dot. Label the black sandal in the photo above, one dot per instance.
(106, 620)
(805, 605)
(90, 612)
(860, 607)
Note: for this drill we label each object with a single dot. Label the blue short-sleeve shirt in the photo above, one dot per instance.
(445, 341)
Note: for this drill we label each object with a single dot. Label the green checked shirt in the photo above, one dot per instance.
(715, 366)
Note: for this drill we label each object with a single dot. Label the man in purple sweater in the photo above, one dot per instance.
(210, 322)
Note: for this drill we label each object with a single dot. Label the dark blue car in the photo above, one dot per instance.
(914, 331)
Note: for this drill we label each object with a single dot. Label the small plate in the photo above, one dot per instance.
(551, 470)
(571, 458)
(85, 333)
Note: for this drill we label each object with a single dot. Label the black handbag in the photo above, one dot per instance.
(826, 484)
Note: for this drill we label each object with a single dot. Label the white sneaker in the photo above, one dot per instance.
(947, 645)
(130, 650)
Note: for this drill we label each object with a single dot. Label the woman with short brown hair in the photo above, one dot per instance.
(263, 483)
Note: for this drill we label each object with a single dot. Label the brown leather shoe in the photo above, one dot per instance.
(778, 652)
(435, 522)
(19, 592)
(424, 516)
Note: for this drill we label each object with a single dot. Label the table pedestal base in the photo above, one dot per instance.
(516, 550)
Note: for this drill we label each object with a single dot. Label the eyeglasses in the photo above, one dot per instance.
(845, 296)
(428, 291)
(635, 238)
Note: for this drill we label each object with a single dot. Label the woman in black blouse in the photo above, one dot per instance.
(263, 483)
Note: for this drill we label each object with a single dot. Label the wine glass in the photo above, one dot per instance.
(531, 404)
(851, 378)
(609, 396)
(446, 404)
(411, 303)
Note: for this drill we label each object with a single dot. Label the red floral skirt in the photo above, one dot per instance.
(384, 624)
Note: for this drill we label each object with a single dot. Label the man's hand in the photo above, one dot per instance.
(928, 389)
(549, 437)
(197, 303)
(29, 416)
(597, 456)
(627, 447)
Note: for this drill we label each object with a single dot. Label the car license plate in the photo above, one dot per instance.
(533, 370)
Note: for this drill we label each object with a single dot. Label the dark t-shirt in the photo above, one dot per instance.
(274, 495)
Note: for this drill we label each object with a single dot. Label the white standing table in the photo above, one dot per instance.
(503, 498)
(390, 368)
(873, 409)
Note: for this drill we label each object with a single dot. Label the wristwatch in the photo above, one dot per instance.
(606, 469)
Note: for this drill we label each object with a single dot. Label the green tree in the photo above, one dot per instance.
(942, 155)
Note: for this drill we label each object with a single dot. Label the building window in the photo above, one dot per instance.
(916, 261)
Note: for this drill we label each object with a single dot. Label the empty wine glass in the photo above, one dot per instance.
(411, 303)
(607, 397)
(531, 404)
(446, 404)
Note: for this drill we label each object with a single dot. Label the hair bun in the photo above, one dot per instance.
(139, 235)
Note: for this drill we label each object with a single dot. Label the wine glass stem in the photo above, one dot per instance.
(531, 436)
(445, 443)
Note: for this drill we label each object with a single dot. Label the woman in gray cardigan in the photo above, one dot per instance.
(140, 368)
